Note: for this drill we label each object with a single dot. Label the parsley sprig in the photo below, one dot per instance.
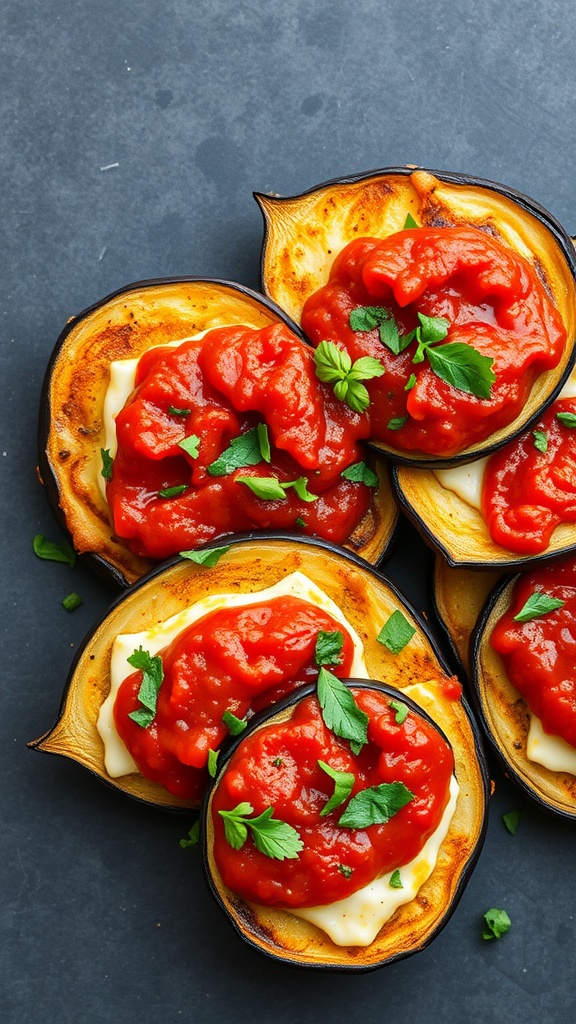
(537, 605)
(152, 675)
(334, 366)
(272, 837)
(340, 712)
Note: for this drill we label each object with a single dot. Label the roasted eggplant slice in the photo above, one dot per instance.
(71, 435)
(459, 596)
(506, 717)
(336, 940)
(304, 234)
(251, 564)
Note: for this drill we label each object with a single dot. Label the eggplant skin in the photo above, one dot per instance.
(291, 940)
(304, 233)
(505, 717)
(122, 326)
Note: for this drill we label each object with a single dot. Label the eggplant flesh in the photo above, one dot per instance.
(459, 596)
(71, 430)
(506, 718)
(304, 233)
(293, 940)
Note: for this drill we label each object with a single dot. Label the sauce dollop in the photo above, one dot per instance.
(527, 490)
(164, 499)
(233, 659)
(540, 655)
(277, 766)
(493, 301)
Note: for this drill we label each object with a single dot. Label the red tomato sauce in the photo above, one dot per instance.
(278, 767)
(233, 659)
(527, 493)
(227, 383)
(540, 655)
(493, 301)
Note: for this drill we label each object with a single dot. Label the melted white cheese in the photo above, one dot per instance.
(550, 751)
(356, 920)
(117, 759)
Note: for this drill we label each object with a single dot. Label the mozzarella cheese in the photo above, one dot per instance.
(117, 759)
(550, 751)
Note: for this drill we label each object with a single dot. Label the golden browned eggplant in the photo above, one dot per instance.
(397, 927)
(459, 596)
(71, 436)
(304, 234)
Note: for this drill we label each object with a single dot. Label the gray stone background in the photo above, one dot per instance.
(133, 133)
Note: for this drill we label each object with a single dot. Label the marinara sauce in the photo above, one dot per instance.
(493, 301)
(164, 499)
(234, 659)
(529, 486)
(277, 766)
(540, 655)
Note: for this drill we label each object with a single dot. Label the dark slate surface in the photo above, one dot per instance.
(133, 134)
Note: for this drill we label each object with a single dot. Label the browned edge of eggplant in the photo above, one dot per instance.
(372, 538)
(269, 930)
(505, 717)
(526, 204)
(458, 597)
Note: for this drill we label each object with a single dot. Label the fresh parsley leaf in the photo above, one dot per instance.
(401, 711)
(537, 605)
(540, 440)
(410, 383)
(375, 805)
(178, 412)
(511, 820)
(396, 632)
(395, 881)
(390, 337)
(343, 786)
(334, 366)
(72, 601)
(329, 647)
(192, 837)
(190, 445)
(172, 492)
(107, 463)
(152, 675)
(50, 551)
(366, 318)
(212, 763)
(301, 488)
(206, 556)
(264, 442)
(397, 422)
(497, 924)
(360, 473)
(244, 450)
(271, 837)
(301, 523)
(340, 712)
(268, 488)
(410, 222)
(345, 870)
(463, 367)
(567, 419)
(234, 725)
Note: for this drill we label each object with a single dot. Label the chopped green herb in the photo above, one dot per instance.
(301, 487)
(192, 837)
(537, 605)
(340, 712)
(401, 711)
(396, 632)
(431, 330)
(72, 601)
(206, 556)
(375, 805)
(497, 924)
(190, 445)
(397, 422)
(335, 367)
(271, 837)
(212, 763)
(268, 488)
(345, 870)
(244, 450)
(366, 318)
(567, 419)
(329, 647)
(234, 725)
(107, 463)
(172, 411)
(172, 492)
(511, 820)
(463, 367)
(264, 442)
(540, 440)
(343, 785)
(277, 762)
(410, 222)
(360, 473)
(50, 551)
(152, 676)
(301, 523)
(410, 382)
(395, 881)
